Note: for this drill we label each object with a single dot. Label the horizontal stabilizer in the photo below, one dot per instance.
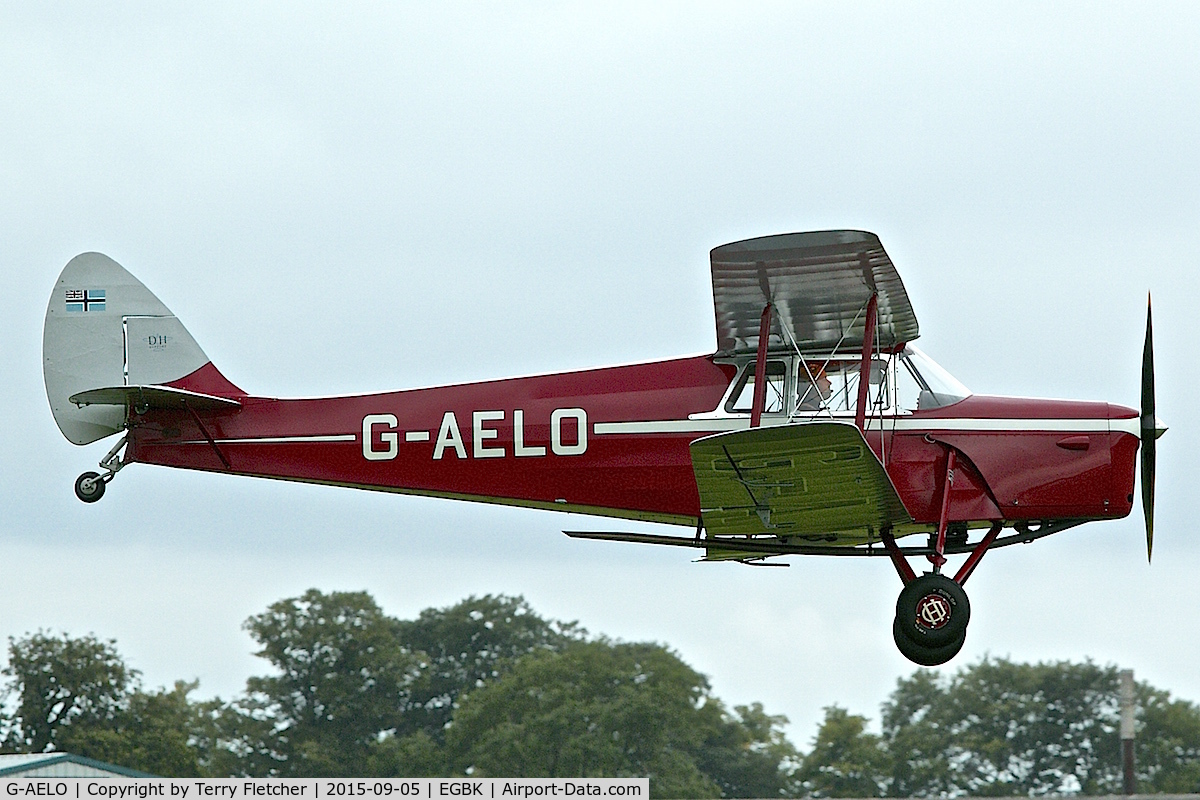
(813, 483)
(147, 397)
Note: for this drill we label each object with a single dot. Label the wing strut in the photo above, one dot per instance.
(760, 368)
(864, 369)
(938, 558)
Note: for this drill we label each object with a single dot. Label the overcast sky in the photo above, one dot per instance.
(362, 197)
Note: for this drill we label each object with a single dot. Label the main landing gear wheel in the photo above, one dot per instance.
(89, 487)
(922, 654)
(933, 611)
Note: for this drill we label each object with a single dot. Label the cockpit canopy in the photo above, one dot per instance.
(900, 383)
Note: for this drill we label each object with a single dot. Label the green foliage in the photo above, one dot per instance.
(416, 755)
(917, 740)
(750, 756)
(344, 680)
(151, 733)
(845, 760)
(62, 682)
(467, 645)
(595, 709)
(1167, 750)
(239, 739)
(488, 687)
(599, 708)
(1000, 728)
(78, 695)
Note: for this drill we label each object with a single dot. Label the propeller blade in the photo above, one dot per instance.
(1148, 432)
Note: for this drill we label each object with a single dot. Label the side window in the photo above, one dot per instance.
(836, 386)
(742, 398)
(877, 391)
(814, 390)
(908, 386)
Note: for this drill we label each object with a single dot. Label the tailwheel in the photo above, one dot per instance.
(933, 611)
(924, 654)
(89, 487)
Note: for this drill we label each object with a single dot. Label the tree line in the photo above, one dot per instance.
(488, 687)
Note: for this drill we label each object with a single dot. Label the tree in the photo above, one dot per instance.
(594, 709)
(1168, 744)
(917, 738)
(1025, 729)
(77, 695)
(239, 739)
(465, 646)
(1000, 728)
(62, 683)
(750, 756)
(845, 760)
(415, 755)
(344, 681)
(597, 708)
(153, 732)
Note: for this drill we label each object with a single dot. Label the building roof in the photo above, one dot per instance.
(62, 765)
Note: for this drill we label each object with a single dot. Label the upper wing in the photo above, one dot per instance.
(816, 482)
(819, 284)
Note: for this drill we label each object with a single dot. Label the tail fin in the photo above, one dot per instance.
(104, 329)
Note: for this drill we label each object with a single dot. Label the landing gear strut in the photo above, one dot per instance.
(89, 487)
(932, 611)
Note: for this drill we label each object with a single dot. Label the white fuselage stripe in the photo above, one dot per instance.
(702, 426)
(903, 424)
(340, 437)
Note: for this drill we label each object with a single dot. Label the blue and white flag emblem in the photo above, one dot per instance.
(85, 300)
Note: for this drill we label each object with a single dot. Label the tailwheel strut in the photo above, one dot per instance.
(932, 611)
(89, 487)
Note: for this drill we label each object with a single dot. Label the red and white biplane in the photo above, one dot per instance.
(773, 445)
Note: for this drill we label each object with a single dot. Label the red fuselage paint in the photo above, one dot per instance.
(614, 441)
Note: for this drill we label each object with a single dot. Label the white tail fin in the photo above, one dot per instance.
(105, 329)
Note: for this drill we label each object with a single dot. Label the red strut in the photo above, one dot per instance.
(938, 558)
(760, 368)
(864, 368)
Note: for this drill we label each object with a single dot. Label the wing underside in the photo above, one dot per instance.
(813, 483)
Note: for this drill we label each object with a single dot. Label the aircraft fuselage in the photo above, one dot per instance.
(614, 442)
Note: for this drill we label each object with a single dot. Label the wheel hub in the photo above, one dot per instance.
(933, 611)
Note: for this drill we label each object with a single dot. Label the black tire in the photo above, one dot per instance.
(88, 487)
(933, 611)
(923, 655)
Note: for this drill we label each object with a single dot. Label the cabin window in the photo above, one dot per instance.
(843, 380)
(742, 398)
(908, 386)
(927, 384)
(833, 386)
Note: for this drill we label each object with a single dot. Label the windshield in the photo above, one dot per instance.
(935, 387)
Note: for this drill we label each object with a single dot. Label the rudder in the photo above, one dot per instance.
(104, 329)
